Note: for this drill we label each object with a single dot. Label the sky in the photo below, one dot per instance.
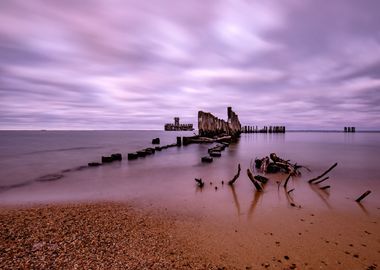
(121, 64)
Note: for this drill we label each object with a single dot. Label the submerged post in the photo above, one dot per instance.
(179, 141)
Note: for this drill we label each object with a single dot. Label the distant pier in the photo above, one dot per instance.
(265, 129)
(349, 129)
(176, 126)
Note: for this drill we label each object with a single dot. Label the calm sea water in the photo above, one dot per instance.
(167, 178)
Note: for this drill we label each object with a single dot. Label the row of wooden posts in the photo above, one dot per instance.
(349, 129)
(265, 129)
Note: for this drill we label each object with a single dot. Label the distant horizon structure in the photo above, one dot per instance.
(176, 126)
(349, 129)
(265, 129)
(210, 125)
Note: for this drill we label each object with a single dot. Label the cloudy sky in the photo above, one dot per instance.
(137, 64)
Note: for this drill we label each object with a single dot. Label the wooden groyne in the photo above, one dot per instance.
(210, 126)
(349, 129)
(265, 129)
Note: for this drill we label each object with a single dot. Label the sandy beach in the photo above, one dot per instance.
(121, 236)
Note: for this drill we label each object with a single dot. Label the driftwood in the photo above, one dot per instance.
(215, 154)
(233, 180)
(106, 159)
(261, 179)
(200, 183)
(325, 187)
(365, 194)
(264, 164)
(179, 141)
(199, 139)
(207, 159)
(94, 164)
(255, 183)
(290, 199)
(287, 180)
(218, 148)
(276, 159)
(132, 156)
(156, 141)
(141, 153)
(323, 174)
(291, 190)
(320, 181)
(275, 164)
(117, 156)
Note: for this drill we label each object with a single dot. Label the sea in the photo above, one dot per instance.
(51, 167)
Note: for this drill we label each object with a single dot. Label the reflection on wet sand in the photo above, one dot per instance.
(236, 201)
(323, 194)
(362, 207)
(255, 200)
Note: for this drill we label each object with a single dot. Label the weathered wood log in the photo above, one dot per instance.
(261, 179)
(200, 183)
(217, 148)
(94, 164)
(291, 190)
(280, 164)
(365, 194)
(150, 151)
(287, 180)
(106, 159)
(132, 156)
(325, 187)
(275, 158)
(320, 181)
(273, 168)
(258, 163)
(233, 180)
(264, 164)
(255, 183)
(179, 141)
(207, 159)
(117, 157)
(215, 154)
(158, 148)
(50, 177)
(156, 141)
(141, 153)
(147, 152)
(323, 174)
(198, 139)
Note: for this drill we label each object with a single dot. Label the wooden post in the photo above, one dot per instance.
(179, 141)
(365, 194)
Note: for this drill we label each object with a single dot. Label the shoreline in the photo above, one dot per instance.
(129, 236)
(91, 235)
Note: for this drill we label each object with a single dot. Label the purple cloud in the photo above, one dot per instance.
(118, 64)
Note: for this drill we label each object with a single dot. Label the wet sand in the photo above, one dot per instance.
(129, 236)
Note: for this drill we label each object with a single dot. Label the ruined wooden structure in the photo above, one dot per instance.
(210, 126)
(176, 126)
(265, 129)
(349, 129)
